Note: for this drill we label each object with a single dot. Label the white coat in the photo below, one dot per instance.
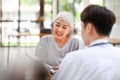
(98, 62)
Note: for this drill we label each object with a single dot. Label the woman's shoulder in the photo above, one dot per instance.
(74, 38)
(44, 40)
(78, 41)
(46, 37)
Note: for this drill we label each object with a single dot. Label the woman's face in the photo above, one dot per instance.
(60, 29)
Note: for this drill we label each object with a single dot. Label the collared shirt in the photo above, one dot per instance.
(99, 42)
(100, 62)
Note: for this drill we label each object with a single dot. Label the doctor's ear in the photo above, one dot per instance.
(89, 27)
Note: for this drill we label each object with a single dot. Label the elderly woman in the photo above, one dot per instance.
(52, 49)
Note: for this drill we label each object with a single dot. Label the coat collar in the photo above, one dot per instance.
(99, 42)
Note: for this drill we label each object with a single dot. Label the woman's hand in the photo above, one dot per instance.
(53, 69)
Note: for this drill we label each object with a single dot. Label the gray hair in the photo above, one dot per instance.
(68, 17)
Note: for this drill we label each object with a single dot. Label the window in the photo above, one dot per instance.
(21, 20)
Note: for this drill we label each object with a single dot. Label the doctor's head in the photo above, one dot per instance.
(96, 22)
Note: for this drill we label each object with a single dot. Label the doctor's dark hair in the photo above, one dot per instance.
(102, 18)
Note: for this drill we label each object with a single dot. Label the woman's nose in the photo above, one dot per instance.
(59, 29)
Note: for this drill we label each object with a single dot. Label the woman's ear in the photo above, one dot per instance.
(69, 34)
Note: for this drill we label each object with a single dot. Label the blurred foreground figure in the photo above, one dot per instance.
(39, 72)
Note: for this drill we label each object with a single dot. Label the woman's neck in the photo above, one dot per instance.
(61, 42)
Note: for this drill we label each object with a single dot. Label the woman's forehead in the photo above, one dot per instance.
(61, 20)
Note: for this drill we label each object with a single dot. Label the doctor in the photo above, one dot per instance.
(100, 60)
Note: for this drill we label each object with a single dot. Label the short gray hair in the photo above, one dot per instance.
(68, 17)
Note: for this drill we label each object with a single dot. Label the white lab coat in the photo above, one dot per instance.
(100, 62)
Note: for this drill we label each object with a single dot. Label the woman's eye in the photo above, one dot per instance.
(57, 25)
(64, 27)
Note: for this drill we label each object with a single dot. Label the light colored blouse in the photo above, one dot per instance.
(48, 51)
